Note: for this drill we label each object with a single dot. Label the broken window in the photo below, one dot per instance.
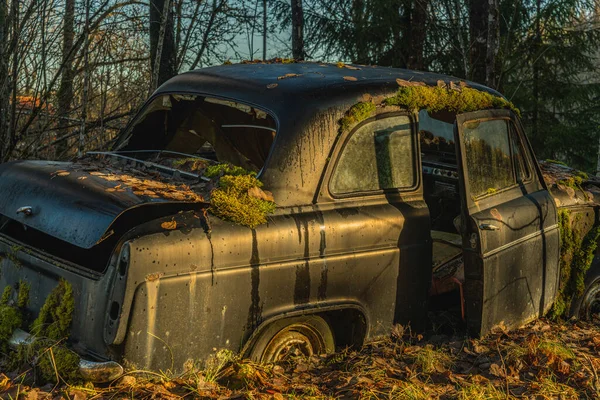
(221, 130)
(488, 156)
(378, 155)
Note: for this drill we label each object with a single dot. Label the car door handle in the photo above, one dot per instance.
(488, 227)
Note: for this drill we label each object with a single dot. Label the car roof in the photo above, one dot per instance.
(274, 85)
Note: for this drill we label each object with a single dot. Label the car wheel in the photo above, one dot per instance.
(293, 337)
(590, 303)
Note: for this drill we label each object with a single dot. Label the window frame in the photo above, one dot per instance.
(517, 183)
(343, 142)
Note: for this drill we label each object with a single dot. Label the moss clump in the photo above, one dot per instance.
(576, 255)
(23, 294)
(191, 164)
(357, 113)
(11, 315)
(232, 201)
(556, 162)
(215, 171)
(57, 359)
(56, 314)
(438, 98)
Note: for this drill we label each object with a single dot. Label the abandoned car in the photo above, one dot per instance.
(288, 209)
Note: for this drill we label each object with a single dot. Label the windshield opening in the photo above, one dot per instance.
(216, 129)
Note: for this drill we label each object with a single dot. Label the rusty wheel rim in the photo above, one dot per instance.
(591, 304)
(294, 341)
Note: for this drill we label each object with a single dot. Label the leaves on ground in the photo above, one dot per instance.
(544, 360)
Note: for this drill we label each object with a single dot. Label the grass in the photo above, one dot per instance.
(430, 360)
(482, 391)
(406, 367)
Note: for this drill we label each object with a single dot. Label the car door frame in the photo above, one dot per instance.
(484, 249)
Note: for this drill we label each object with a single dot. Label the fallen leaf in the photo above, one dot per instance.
(81, 178)
(63, 173)
(169, 225)
(402, 82)
(498, 371)
(260, 194)
(111, 190)
(350, 78)
(272, 85)
(288, 76)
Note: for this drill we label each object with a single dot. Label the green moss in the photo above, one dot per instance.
(190, 164)
(232, 202)
(56, 314)
(415, 98)
(357, 113)
(556, 162)
(583, 175)
(23, 294)
(215, 171)
(58, 360)
(576, 255)
(10, 319)
(6, 295)
(11, 315)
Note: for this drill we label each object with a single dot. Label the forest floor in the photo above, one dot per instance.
(544, 360)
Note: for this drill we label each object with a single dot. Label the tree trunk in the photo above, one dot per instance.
(535, 113)
(163, 63)
(418, 35)
(478, 24)
(65, 90)
(358, 21)
(493, 44)
(264, 57)
(86, 79)
(4, 92)
(297, 30)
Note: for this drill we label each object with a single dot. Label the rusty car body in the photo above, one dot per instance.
(346, 254)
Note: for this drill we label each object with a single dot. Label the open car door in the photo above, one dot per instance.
(509, 224)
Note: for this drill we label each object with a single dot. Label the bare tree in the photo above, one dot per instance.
(65, 90)
(493, 44)
(4, 92)
(264, 30)
(162, 43)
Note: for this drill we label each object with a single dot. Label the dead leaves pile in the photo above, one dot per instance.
(541, 361)
(153, 189)
(148, 184)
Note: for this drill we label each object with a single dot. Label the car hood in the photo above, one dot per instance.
(73, 204)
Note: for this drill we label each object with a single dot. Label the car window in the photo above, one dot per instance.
(488, 156)
(379, 155)
(522, 171)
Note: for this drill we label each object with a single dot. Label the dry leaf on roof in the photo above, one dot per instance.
(272, 85)
(260, 194)
(402, 82)
(350, 78)
(289, 76)
(169, 225)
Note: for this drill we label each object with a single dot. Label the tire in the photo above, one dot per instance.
(292, 337)
(590, 302)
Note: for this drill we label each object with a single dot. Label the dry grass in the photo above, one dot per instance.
(542, 361)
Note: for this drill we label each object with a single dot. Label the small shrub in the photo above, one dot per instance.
(54, 320)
